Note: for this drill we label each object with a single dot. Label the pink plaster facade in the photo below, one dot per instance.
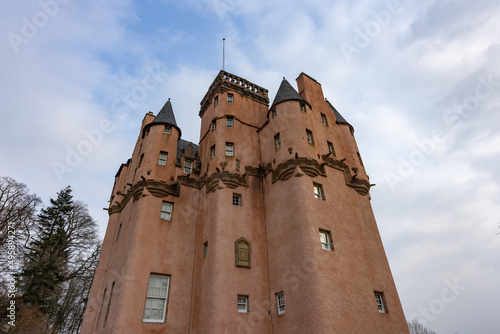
(279, 218)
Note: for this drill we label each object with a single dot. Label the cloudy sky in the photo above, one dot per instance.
(419, 81)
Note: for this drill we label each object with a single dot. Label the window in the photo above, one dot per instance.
(330, 148)
(379, 298)
(277, 141)
(156, 299)
(242, 304)
(229, 122)
(216, 101)
(230, 98)
(166, 210)
(100, 309)
(280, 302)
(188, 166)
(140, 160)
(147, 131)
(163, 158)
(273, 113)
(326, 239)
(205, 249)
(168, 129)
(318, 191)
(229, 149)
(214, 124)
(310, 138)
(212, 152)
(242, 253)
(324, 120)
(237, 199)
(119, 230)
(302, 107)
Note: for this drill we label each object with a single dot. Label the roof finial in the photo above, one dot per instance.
(169, 99)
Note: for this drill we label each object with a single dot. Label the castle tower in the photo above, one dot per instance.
(266, 227)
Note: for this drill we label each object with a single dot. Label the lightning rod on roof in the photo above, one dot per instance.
(223, 53)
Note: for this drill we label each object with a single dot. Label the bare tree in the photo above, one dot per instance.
(17, 220)
(416, 327)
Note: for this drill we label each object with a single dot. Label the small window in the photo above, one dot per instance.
(318, 191)
(379, 298)
(310, 138)
(242, 304)
(109, 304)
(166, 210)
(302, 107)
(237, 199)
(140, 160)
(147, 131)
(205, 249)
(214, 124)
(188, 166)
(280, 302)
(273, 113)
(324, 120)
(168, 129)
(212, 152)
(330, 148)
(229, 149)
(230, 98)
(277, 141)
(229, 122)
(156, 299)
(163, 158)
(325, 238)
(216, 100)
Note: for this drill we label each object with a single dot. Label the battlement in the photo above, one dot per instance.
(226, 81)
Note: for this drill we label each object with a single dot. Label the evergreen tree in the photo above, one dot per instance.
(65, 248)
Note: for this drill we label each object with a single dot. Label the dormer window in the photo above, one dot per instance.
(188, 166)
(168, 129)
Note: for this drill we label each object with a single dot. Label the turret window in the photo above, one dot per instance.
(277, 141)
(229, 149)
(166, 210)
(188, 166)
(325, 238)
(216, 101)
(379, 298)
(280, 302)
(162, 160)
(309, 136)
(237, 200)
(230, 98)
(324, 120)
(214, 124)
(229, 121)
(212, 152)
(330, 148)
(318, 191)
(273, 113)
(168, 129)
(302, 107)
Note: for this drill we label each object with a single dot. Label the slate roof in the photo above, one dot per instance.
(165, 116)
(339, 118)
(184, 145)
(287, 93)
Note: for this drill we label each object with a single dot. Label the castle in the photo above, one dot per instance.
(265, 227)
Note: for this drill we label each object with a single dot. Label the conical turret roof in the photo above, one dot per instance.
(166, 117)
(287, 93)
(339, 118)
